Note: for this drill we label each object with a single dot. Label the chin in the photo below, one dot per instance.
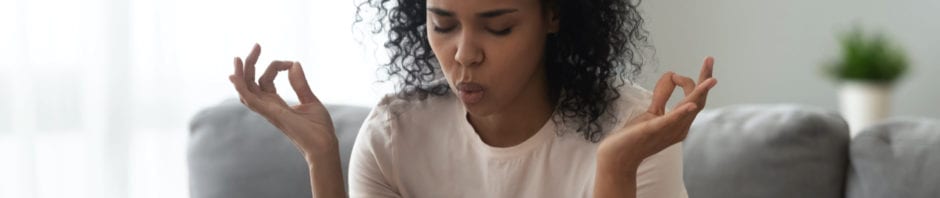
(479, 109)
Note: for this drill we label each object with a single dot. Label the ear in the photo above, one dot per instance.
(552, 17)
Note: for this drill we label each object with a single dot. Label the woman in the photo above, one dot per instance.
(520, 98)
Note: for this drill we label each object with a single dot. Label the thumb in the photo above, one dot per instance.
(676, 116)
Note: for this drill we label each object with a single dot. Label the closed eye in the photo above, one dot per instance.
(444, 29)
(502, 32)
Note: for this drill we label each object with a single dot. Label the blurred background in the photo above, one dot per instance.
(774, 51)
(96, 95)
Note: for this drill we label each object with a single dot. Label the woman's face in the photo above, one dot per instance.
(491, 51)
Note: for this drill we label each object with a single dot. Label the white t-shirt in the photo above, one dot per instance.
(427, 148)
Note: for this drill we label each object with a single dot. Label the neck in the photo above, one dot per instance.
(521, 119)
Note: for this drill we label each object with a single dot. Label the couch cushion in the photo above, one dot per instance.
(234, 152)
(897, 158)
(766, 151)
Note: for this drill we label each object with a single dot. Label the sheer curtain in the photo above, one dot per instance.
(95, 95)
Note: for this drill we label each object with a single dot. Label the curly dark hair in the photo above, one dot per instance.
(597, 49)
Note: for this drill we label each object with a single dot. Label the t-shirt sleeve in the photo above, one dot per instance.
(371, 165)
(660, 175)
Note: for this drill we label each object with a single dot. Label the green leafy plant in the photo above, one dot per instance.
(870, 58)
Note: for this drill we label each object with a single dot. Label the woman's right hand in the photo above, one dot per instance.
(308, 125)
(619, 155)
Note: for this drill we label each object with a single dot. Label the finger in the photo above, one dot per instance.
(700, 93)
(669, 127)
(240, 86)
(661, 94)
(685, 82)
(684, 124)
(707, 68)
(239, 83)
(250, 67)
(298, 81)
(710, 84)
(266, 82)
(676, 116)
(239, 67)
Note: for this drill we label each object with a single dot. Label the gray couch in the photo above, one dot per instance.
(234, 153)
(741, 151)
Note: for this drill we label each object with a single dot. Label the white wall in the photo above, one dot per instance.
(772, 51)
(96, 95)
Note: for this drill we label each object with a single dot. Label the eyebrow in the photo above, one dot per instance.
(487, 14)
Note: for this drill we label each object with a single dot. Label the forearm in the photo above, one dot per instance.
(326, 175)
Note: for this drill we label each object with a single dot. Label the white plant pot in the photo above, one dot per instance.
(864, 103)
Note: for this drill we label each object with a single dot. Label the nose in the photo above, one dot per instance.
(469, 53)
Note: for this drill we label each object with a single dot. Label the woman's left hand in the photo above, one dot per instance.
(620, 154)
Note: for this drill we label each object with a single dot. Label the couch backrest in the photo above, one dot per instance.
(740, 151)
(766, 151)
(235, 153)
(896, 158)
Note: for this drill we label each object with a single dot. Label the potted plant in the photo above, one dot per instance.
(867, 69)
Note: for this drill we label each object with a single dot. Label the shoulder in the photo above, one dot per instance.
(633, 96)
(393, 128)
(394, 115)
(633, 101)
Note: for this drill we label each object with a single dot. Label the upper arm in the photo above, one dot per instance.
(660, 175)
(371, 165)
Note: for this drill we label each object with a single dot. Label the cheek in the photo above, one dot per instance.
(513, 70)
(517, 60)
(444, 52)
(521, 51)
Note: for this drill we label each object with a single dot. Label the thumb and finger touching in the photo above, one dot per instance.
(298, 81)
(686, 110)
(249, 90)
